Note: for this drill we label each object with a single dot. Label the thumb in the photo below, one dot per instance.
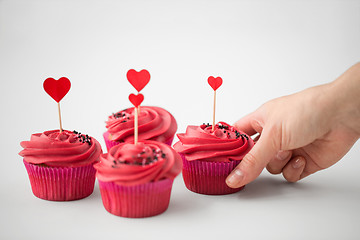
(254, 162)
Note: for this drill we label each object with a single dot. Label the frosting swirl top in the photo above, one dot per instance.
(224, 144)
(129, 164)
(155, 123)
(65, 149)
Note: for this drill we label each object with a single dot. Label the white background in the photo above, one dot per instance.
(261, 49)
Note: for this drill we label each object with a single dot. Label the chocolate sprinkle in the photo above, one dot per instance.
(119, 115)
(140, 160)
(83, 138)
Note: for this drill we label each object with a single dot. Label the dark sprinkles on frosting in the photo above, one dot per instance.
(220, 126)
(83, 138)
(142, 159)
(121, 115)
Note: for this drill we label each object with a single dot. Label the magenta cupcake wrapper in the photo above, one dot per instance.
(208, 177)
(109, 143)
(61, 183)
(169, 142)
(138, 201)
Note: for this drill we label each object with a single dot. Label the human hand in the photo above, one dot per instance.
(302, 133)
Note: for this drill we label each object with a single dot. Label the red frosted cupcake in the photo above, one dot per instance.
(135, 180)
(60, 165)
(209, 156)
(155, 124)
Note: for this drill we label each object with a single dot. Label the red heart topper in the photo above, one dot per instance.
(136, 100)
(215, 83)
(57, 89)
(138, 79)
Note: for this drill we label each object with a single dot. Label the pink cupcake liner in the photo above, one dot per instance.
(61, 183)
(109, 143)
(208, 177)
(169, 142)
(139, 201)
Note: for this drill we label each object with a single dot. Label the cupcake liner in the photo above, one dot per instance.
(138, 201)
(169, 142)
(61, 183)
(208, 177)
(109, 143)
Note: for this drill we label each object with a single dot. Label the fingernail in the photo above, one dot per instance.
(234, 178)
(298, 163)
(282, 155)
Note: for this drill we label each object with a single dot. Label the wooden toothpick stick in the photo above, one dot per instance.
(60, 117)
(213, 124)
(136, 100)
(136, 126)
(215, 83)
(57, 89)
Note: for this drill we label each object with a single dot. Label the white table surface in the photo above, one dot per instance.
(262, 50)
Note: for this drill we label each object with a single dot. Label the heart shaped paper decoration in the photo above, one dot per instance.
(215, 83)
(57, 89)
(136, 100)
(138, 79)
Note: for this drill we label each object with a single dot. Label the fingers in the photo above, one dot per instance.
(253, 163)
(291, 168)
(293, 171)
(248, 125)
(278, 163)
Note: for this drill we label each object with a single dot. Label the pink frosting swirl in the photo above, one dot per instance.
(129, 164)
(66, 149)
(155, 124)
(224, 144)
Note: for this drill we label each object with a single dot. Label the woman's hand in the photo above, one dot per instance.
(302, 133)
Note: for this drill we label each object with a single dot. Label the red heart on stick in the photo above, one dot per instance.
(215, 83)
(57, 89)
(138, 79)
(136, 100)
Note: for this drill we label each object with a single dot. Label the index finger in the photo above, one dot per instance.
(249, 124)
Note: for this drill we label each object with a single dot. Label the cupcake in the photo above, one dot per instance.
(155, 124)
(209, 156)
(60, 165)
(135, 180)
